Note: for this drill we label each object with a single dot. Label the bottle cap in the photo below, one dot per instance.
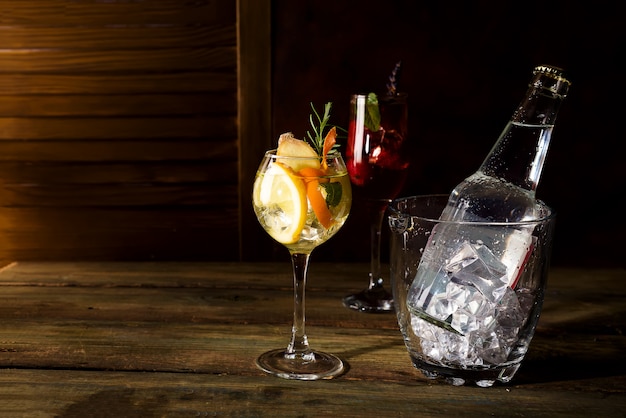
(560, 85)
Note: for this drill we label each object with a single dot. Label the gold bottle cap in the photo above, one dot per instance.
(559, 84)
(551, 71)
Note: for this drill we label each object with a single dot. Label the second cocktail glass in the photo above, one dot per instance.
(378, 162)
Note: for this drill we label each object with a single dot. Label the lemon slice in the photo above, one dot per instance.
(283, 195)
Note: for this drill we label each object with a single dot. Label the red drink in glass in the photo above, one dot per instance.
(377, 159)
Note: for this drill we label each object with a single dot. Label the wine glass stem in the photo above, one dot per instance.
(376, 222)
(299, 342)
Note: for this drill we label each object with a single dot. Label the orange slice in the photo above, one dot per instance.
(329, 141)
(316, 198)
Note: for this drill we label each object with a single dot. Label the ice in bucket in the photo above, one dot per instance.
(468, 294)
(467, 305)
(460, 277)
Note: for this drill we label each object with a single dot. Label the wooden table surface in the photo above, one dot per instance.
(180, 339)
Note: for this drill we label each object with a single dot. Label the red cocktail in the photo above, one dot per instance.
(378, 162)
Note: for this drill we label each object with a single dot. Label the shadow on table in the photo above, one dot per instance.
(579, 348)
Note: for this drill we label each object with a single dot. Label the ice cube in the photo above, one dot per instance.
(475, 265)
(509, 312)
(470, 297)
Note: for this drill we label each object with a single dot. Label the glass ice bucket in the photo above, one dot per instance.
(467, 295)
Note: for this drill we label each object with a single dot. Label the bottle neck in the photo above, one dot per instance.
(519, 153)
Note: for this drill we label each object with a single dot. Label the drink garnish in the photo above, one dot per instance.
(392, 86)
(372, 113)
(309, 170)
(281, 188)
(290, 146)
(316, 198)
(318, 139)
(333, 192)
(329, 141)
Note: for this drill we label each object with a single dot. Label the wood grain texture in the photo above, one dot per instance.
(120, 129)
(173, 129)
(122, 61)
(102, 84)
(87, 172)
(180, 339)
(115, 105)
(255, 115)
(213, 31)
(116, 13)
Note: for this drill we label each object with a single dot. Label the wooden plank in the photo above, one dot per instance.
(148, 274)
(150, 245)
(121, 37)
(200, 347)
(189, 172)
(119, 151)
(92, 105)
(142, 235)
(38, 393)
(125, 344)
(186, 82)
(80, 220)
(121, 194)
(107, 13)
(160, 233)
(175, 274)
(86, 128)
(61, 60)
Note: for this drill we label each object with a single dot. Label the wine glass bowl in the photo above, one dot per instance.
(378, 161)
(301, 202)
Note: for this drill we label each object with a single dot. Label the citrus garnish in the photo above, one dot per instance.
(303, 176)
(281, 191)
(289, 146)
(329, 142)
(317, 200)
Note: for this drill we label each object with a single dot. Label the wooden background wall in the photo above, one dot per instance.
(119, 133)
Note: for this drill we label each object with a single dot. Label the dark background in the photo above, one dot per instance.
(465, 67)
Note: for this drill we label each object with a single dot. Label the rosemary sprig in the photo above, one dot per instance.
(392, 86)
(319, 125)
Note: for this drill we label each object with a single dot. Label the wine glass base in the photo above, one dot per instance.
(313, 365)
(375, 300)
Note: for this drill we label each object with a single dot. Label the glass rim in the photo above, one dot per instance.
(382, 95)
(331, 155)
(398, 213)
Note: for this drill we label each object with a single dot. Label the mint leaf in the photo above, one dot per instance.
(372, 113)
(333, 193)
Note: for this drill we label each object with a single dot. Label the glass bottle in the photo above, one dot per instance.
(503, 188)
(502, 191)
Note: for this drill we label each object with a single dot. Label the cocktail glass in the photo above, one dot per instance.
(378, 162)
(301, 202)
